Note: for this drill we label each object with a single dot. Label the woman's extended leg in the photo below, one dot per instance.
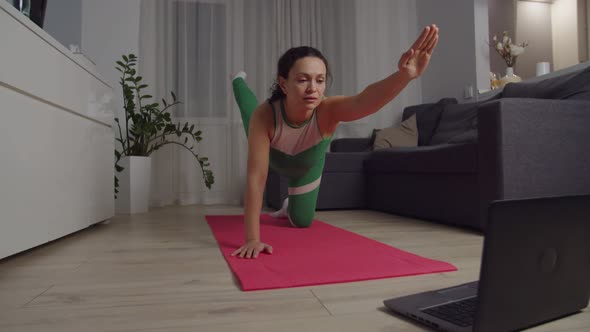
(245, 98)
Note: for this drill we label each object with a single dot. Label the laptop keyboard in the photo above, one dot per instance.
(460, 313)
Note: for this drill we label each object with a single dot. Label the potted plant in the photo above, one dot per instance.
(148, 127)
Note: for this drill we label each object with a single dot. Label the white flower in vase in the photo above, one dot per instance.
(509, 52)
(516, 50)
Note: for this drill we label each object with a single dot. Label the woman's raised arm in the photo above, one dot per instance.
(411, 65)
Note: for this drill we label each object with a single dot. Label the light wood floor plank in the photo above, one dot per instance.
(163, 271)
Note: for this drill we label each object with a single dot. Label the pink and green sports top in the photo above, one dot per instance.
(296, 150)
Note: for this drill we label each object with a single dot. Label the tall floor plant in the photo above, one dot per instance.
(149, 126)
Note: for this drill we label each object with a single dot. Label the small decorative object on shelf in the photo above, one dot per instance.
(543, 68)
(494, 81)
(33, 9)
(509, 52)
(509, 78)
(24, 6)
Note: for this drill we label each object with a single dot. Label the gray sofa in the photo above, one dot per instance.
(532, 139)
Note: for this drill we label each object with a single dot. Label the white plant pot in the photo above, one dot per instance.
(134, 185)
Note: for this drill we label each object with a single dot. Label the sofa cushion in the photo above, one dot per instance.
(444, 158)
(465, 137)
(351, 145)
(575, 86)
(427, 118)
(458, 124)
(403, 135)
(345, 162)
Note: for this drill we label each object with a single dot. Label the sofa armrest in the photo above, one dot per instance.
(533, 147)
(351, 145)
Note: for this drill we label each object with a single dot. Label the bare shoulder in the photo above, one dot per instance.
(332, 101)
(328, 114)
(263, 119)
(263, 114)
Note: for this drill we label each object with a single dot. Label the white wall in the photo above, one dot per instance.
(502, 17)
(565, 33)
(582, 8)
(103, 29)
(587, 13)
(534, 26)
(110, 28)
(453, 66)
(63, 21)
(482, 49)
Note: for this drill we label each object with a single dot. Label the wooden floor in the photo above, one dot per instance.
(162, 271)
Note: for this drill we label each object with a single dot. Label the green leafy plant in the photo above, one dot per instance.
(149, 126)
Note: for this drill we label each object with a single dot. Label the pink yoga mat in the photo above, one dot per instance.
(321, 254)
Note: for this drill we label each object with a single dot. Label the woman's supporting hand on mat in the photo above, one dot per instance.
(251, 249)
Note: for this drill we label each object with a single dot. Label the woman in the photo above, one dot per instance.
(292, 130)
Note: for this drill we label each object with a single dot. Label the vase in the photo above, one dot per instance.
(134, 185)
(510, 77)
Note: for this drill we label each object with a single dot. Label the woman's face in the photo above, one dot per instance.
(306, 83)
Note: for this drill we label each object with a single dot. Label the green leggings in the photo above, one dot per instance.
(303, 188)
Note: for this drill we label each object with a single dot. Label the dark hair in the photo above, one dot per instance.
(286, 62)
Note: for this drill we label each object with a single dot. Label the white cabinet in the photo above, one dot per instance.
(56, 138)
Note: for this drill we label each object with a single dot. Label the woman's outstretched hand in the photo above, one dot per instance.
(251, 249)
(416, 59)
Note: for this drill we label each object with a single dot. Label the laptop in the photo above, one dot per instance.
(535, 268)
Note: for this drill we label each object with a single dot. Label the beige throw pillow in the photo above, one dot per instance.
(404, 135)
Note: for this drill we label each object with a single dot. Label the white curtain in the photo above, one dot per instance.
(185, 47)
(191, 47)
